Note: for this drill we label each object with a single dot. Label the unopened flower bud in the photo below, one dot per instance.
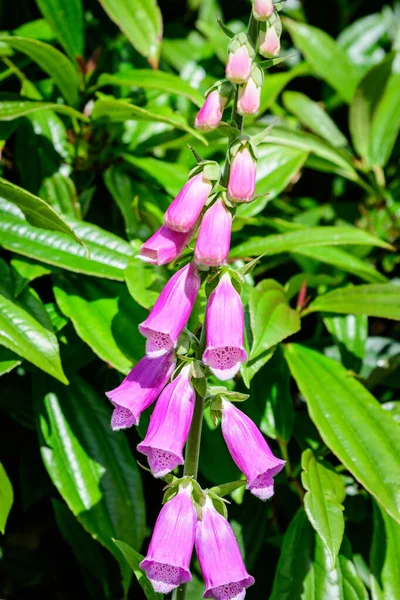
(213, 242)
(242, 176)
(185, 209)
(210, 115)
(240, 58)
(270, 35)
(250, 93)
(262, 9)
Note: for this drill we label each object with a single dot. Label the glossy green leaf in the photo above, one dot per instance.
(271, 319)
(92, 467)
(310, 237)
(109, 254)
(24, 271)
(15, 109)
(52, 61)
(348, 417)
(374, 300)
(170, 176)
(385, 123)
(152, 80)
(66, 20)
(313, 117)
(274, 83)
(60, 192)
(26, 329)
(117, 111)
(385, 557)
(325, 56)
(6, 498)
(323, 502)
(133, 559)
(8, 361)
(122, 189)
(144, 281)
(37, 212)
(105, 316)
(350, 333)
(141, 22)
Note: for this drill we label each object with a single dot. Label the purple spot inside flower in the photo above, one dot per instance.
(158, 344)
(122, 418)
(162, 462)
(225, 361)
(163, 577)
(230, 591)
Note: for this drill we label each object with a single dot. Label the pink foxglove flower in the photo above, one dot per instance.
(213, 242)
(263, 9)
(139, 389)
(250, 93)
(224, 330)
(269, 43)
(240, 59)
(219, 556)
(169, 425)
(184, 211)
(164, 246)
(250, 451)
(171, 311)
(210, 115)
(167, 562)
(242, 176)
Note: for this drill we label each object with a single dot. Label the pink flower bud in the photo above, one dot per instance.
(167, 562)
(171, 311)
(269, 41)
(250, 451)
(242, 176)
(224, 330)
(139, 389)
(210, 115)
(219, 556)
(164, 246)
(169, 425)
(249, 98)
(184, 211)
(213, 242)
(262, 9)
(238, 68)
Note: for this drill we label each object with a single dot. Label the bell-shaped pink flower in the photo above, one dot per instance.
(242, 176)
(184, 211)
(269, 41)
(167, 562)
(219, 556)
(238, 67)
(164, 246)
(210, 114)
(262, 9)
(213, 242)
(169, 425)
(250, 93)
(171, 311)
(250, 451)
(139, 389)
(224, 330)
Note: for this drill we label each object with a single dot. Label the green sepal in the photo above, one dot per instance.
(227, 488)
(250, 266)
(271, 62)
(225, 29)
(239, 40)
(219, 504)
(260, 137)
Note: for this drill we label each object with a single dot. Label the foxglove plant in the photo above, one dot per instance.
(178, 363)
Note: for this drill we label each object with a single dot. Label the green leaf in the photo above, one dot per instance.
(6, 498)
(144, 282)
(348, 417)
(313, 117)
(306, 238)
(105, 316)
(52, 61)
(117, 111)
(362, 108)
(325, 56)
(66, 20)
(133, 559)
(170, 176)
(152, 80)
(276, 82)
(91, 466)
(8, 361)
(374, 300)
(271, 319)
(37, 212)
(109, 254)
(323, 502)
(350, 333)
(25, 327)
(60, 192)
(15, 109)
(141, 22)
(385, 123)
(24, 271)
(122, 189)
(385, 557)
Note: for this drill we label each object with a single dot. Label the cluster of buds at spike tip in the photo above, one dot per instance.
(243, 170)
(241, 54)
(217, 98)
(250, 93)
(269, 41)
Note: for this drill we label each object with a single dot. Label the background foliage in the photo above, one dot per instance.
(93, 146)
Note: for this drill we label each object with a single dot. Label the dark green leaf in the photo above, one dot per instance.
(134, 559)
(8, 361)
(170, 176)
(385, 123)
(6, 498)
(66, 20)
(385, 557)
(350, 333)
(60, 192)
(144, 282)
(15, 109)
(24, 271)
(122, 188)
(348, 417)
